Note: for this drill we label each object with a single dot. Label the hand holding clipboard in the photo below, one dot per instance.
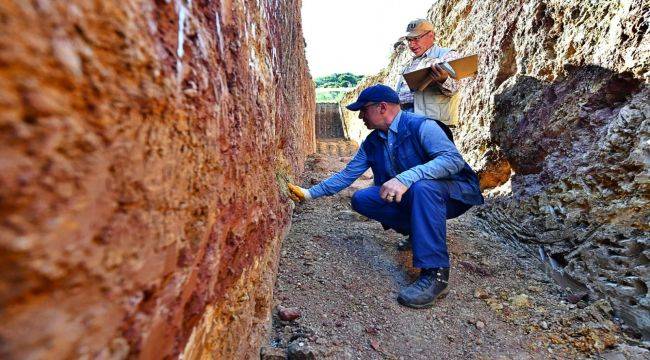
(419, 80)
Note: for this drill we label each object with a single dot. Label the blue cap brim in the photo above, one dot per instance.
(356, 106)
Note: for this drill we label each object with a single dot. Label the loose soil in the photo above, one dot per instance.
(342, 273)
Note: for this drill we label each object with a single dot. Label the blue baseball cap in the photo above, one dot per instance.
(376, 93)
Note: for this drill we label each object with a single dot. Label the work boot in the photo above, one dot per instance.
(405, 244)
(431, 285)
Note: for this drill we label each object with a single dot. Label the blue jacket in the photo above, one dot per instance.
(409, 152)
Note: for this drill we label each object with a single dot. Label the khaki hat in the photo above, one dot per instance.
(418, 27)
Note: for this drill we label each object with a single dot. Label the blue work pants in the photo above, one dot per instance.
(422, 214)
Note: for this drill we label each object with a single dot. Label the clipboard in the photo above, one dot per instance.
(460, 68)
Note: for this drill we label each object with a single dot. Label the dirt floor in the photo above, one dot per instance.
(340, 273)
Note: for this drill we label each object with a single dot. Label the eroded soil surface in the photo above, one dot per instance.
(341, 272)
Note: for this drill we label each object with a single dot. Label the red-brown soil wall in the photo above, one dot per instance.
(144, 148)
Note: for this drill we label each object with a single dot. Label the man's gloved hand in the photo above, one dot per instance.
(298, 194)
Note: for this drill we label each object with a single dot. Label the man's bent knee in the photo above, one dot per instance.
(362, 200)
(356, 200)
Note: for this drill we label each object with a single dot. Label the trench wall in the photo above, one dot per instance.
(328, 121)
(557, 124)
(144, 151)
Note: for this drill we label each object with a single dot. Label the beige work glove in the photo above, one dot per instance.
(298, 194)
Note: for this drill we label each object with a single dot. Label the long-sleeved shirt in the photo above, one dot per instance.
(449, 87)
(446, 160)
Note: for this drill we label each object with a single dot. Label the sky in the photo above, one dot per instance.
(355, 36)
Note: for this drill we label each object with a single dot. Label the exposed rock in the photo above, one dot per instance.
(625, 352)
(558, 112)
(288, 314)
(271, 353)
(300, 350)
(575, 298)
(145, 147)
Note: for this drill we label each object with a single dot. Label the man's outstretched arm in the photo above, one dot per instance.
(337, 182)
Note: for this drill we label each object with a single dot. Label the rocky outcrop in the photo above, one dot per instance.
(558, 117)
(144, 150)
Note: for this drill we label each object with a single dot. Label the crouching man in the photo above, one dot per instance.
(420, 181)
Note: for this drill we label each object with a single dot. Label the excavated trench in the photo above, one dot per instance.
(145, 148)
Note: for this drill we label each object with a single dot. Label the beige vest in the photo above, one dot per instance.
(432, 103)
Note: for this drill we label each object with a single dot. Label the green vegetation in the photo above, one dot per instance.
(344, 80)
(331, 88)
(327, 95)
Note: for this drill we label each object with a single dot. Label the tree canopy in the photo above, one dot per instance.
(338, 80)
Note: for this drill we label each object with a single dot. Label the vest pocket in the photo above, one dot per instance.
(439, 105)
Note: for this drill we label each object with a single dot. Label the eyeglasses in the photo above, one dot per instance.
(416, 38)
(365, 107)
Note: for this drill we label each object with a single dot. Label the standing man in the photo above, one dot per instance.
(439, 100)
(420, 181)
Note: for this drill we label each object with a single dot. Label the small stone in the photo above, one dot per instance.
(372, 330)
(496, 306)
(374, 344)
(575, 298)
(481, 294)
(603, 306)
(287, 330)
(300, 351)
(521, 301)
(347, 215)
(544, 325)
(288, 314)
(480, 325)
(581, 304)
